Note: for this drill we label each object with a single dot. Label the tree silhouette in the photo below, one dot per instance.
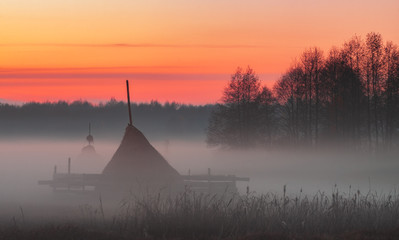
(391, 94)
(240, 120)
(351, 95)
(289, 92)
(374, 67)
(341, 97)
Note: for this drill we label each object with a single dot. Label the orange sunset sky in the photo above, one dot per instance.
(175, 50)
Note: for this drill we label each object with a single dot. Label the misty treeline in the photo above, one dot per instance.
(108, 120)
(348, 97)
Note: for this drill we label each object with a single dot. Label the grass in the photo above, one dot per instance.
(190, 215)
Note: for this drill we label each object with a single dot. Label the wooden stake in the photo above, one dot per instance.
(69, 165)
(128, 103)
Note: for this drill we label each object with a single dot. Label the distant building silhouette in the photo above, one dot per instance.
(89, 149)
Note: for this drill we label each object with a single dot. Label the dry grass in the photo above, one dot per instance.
(202, 216)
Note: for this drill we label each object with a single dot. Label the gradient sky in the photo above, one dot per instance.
(175, 50)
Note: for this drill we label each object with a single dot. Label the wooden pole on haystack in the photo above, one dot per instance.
(128, 103)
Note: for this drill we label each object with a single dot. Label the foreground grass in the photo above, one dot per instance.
(203, 216)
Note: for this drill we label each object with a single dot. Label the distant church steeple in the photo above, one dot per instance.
(89, 137)
(89, 149)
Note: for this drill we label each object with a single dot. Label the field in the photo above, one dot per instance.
(190, 215)
(357, 196)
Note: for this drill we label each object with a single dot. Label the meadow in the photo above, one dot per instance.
(291, 195)
(190, 215)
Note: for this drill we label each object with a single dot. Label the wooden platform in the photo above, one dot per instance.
(80, 183)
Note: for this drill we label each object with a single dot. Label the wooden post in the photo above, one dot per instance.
(69, 165)
(209, 180)
(69, 171)
(128, 103)
(55, 172)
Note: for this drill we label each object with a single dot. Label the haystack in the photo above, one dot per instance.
(137, 165)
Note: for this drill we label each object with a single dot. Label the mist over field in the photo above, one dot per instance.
(25, 161)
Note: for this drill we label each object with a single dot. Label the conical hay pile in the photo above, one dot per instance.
(137, 162)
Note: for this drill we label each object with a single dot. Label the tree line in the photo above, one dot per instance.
(69, 120)
(348, 97)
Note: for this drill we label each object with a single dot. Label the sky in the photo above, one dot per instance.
(175, 50)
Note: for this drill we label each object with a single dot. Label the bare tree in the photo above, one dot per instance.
(237, 121)
(353, 54)
(312, 63)
(374, 67)
(391, 94)
(266, 106)
(289, 93)
(341, 86)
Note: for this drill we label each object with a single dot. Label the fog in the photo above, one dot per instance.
(24, 162)
(309, 171)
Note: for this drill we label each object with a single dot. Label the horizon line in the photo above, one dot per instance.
(96, 102)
